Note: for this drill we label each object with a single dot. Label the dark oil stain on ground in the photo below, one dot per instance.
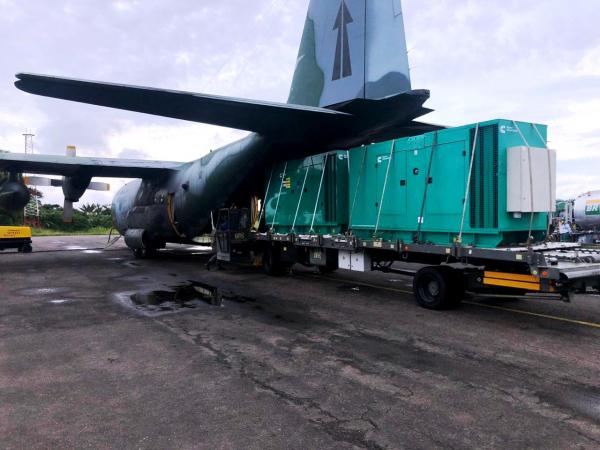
(188, 296)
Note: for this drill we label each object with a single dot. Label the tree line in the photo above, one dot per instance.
(88, 216)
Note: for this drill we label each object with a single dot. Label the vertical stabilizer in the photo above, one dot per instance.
(351, 49)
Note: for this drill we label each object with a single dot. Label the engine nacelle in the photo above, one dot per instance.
(14, 196)
(75, 187)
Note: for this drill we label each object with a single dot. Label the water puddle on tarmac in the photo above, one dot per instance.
(179, 298)
(59, 301)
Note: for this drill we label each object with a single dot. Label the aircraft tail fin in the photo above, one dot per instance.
(351, 49)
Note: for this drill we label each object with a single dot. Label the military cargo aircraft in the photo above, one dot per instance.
(351, 86)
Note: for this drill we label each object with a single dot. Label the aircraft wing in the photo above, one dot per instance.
(95, 167)
(266, 118)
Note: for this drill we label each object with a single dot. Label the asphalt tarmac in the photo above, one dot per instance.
(98, 350)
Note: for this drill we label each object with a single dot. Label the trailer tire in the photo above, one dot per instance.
(457, 287)
(432, 287)
(272, 264)
(324, 270)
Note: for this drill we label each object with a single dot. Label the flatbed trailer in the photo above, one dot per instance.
(550, 271)
(18, 238)
(455, 201)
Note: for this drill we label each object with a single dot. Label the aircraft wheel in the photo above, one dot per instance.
(145, 253)
(435, 288)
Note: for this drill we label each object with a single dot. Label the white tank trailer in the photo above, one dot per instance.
(586, 211)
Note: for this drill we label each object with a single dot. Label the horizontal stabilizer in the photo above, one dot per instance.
(95, 167)
(266, 118)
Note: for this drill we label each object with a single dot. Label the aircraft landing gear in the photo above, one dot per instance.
(145, 253)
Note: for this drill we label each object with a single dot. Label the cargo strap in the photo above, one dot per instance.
(312, 224)
(279, 195)
(468, 188)
(387, 173)
(529, 240)
(301, 195)
(427, 178)
(362, 170)
(264, 203)
(551, 206)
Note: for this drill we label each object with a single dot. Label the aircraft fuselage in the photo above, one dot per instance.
(177, 207)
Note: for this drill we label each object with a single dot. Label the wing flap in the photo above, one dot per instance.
(96, 167)
(266, 118)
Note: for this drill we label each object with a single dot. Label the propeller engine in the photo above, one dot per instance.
(14, 195)
(73, 187)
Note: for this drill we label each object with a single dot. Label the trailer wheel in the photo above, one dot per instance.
(432, 287)
(324, 270)
(457, 287)
(272, 263)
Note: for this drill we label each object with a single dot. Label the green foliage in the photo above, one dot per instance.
(48, 232)
(84, 219)
(6, 218)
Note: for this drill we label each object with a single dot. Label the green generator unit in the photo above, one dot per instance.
(414, 189)
(309, 196)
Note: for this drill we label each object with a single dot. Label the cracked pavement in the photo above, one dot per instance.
(301, 362)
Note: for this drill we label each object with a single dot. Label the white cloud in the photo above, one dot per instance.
(183, 143)
(124, 5)
(589, 64)
(536, 61)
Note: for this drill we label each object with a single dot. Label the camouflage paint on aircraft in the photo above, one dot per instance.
(361, 43)
(351, 86)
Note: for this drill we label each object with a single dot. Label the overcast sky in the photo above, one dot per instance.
(536, 61)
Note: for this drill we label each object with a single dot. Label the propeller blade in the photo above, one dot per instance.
(37, 181)
(68, 211)
(95, 186)
(41, 181)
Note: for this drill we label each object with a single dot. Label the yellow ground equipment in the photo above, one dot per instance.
(16, 237)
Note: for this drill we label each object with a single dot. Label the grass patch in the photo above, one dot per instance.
(40, 232)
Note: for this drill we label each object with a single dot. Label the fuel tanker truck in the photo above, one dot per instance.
(586, 211)
(586, 216)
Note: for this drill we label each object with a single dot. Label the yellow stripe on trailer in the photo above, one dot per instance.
(15, 233)
(511, 277)
(513, 280)
(512, 284)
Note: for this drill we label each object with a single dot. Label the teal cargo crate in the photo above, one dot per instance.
(309, 195)
(413, 189)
